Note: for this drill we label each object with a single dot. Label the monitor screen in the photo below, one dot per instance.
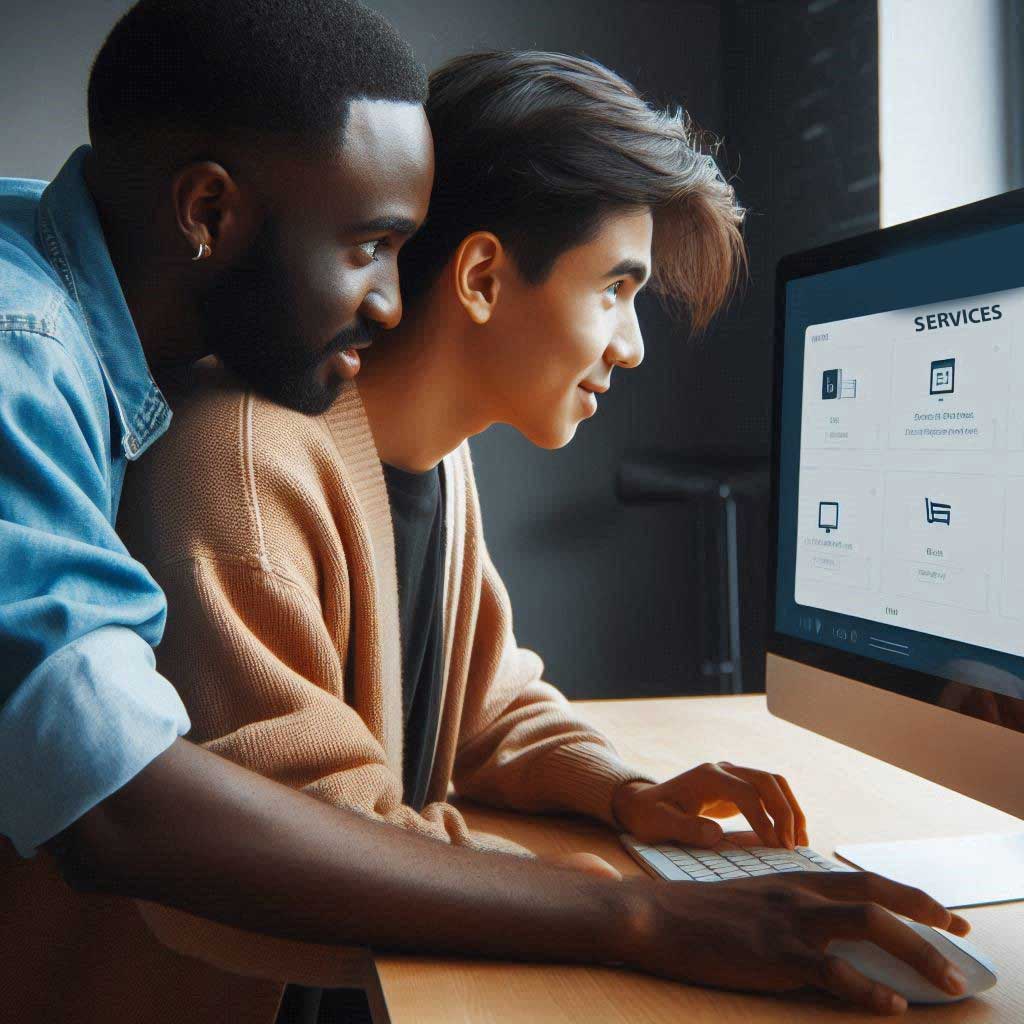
(900, 448)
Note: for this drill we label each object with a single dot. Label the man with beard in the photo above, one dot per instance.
(254, 169)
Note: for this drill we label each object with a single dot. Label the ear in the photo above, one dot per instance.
(478, 265)
(210, 208)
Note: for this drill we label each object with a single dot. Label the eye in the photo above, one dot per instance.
(370, 248)
(613, 289)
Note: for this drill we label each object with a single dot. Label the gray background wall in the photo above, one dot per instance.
(609, 595)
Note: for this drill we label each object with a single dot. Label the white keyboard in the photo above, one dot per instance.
(727, 861)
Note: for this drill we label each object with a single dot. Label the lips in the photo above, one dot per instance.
(343, 365)
(360, 335)
(594, 389)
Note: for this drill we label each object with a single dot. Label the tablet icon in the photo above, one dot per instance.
(828, 516)
(943, 377)
(937, 512)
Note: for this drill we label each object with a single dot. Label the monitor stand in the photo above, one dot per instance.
(962, 871)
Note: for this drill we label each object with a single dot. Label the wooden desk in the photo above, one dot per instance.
(847, 796)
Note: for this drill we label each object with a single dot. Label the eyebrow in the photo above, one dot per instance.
(635, 269)
(384, 225)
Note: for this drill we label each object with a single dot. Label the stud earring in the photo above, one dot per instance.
(202, 252)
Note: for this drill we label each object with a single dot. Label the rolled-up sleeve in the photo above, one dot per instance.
(82, 707)
(78, 728)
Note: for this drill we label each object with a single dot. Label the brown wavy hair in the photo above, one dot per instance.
(539, 147)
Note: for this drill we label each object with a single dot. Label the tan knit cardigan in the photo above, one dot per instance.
(271, 534)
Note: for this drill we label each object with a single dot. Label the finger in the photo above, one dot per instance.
(687, 829)
(799, 818)
(590, 864)
(748, 800)
(774, 801)
(901, 899)
(845, 982)
(869, 921)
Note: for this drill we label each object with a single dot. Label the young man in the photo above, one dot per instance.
(336, 622)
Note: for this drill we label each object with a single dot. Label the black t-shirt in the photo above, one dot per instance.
(417, 511)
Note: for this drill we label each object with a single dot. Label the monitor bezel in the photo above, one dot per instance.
(998, 211)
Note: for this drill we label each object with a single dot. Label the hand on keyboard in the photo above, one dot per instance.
(674, 811)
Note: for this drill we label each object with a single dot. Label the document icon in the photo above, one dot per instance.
(828, 516)
(836, 384)
(937, 512)
(942, 379)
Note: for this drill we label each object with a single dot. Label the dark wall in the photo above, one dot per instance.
(46, 51)
(802, 121)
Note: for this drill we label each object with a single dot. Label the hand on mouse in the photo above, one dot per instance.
(770, 934)
(674, 811)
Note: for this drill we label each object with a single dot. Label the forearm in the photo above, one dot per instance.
(197, 832)
(371, 790)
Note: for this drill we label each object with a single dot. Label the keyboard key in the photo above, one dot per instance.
(681, 858)
(664, 866)
(713, 862)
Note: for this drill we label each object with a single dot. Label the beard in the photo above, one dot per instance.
(249, 318)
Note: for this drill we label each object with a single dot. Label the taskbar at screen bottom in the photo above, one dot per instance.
(924, 656)
(967, 686)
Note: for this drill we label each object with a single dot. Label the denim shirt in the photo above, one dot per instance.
(82, 707)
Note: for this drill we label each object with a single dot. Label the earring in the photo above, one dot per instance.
(202, 252)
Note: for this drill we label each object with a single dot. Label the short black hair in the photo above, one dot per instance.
(539, 147)
(245, 68)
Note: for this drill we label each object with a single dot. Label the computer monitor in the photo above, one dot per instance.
(897, 586)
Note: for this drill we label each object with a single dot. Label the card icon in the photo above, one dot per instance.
(943, 377)
(937, 512)
(828, 516)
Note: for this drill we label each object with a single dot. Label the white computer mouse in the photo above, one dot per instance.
(879, 965)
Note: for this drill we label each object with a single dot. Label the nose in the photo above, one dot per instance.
(383, 303)
(627, 349)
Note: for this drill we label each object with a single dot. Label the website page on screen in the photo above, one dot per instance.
(901, 473)
(911, 497)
